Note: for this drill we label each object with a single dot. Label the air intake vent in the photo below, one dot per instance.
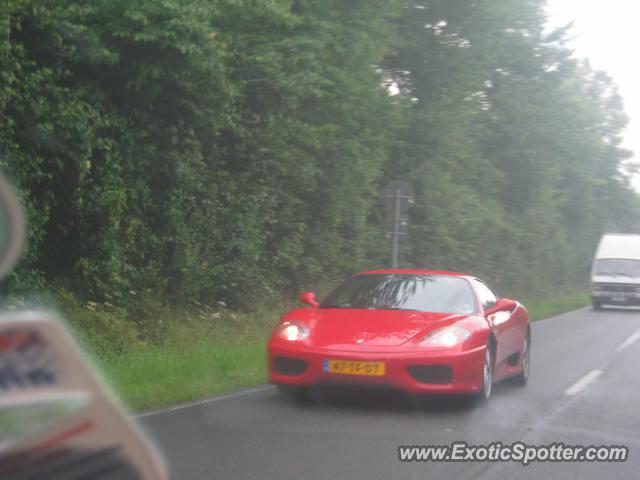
(433, 374)
(289, 366)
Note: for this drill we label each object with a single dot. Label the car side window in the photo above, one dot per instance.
(485, 295)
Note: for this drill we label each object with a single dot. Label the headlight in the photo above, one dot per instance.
(446, 337)
(292, 330)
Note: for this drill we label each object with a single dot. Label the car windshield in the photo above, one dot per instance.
(617, 267)
(423, 293)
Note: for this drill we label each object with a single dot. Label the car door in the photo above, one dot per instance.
(500, 321)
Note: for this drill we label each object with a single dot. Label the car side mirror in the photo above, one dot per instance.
(502, 305)
(309, 298)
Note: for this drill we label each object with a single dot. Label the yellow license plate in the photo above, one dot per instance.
(348, 367)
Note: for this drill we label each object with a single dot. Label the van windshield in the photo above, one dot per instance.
(617, 266)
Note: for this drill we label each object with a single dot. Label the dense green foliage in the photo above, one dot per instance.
(183, 151)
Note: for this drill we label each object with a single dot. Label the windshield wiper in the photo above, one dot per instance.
(347, 305)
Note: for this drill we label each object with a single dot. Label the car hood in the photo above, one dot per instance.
(345, 328)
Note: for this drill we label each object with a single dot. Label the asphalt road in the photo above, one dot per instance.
(355, 434)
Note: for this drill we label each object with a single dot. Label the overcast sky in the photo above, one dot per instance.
(607, 33)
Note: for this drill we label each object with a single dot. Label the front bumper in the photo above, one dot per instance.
(465, 368)
(616, 298)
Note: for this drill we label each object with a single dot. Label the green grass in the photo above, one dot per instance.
(166, 375)
(542, 308)
(201, 359)
(200, 353)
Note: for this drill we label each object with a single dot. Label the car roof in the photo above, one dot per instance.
(416, 272)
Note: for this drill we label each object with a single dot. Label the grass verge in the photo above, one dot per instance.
(542, 308)
(166, 375)
(198, 360)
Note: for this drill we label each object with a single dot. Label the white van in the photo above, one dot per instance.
(615, 273)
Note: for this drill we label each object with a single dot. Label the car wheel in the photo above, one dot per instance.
(487, 376)
(596, 305)
(523, 376)
(295, 393)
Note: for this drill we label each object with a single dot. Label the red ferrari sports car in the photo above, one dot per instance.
(421, 331)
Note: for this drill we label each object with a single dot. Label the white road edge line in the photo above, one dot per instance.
(628, 341)
(583, 382)
(204, 401)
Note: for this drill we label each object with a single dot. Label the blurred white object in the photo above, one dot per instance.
(57, 419)
(12, 227)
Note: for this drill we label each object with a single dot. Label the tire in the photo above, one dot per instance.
(596, 305)
(522, 378)
(295, 393)
(484, 395)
